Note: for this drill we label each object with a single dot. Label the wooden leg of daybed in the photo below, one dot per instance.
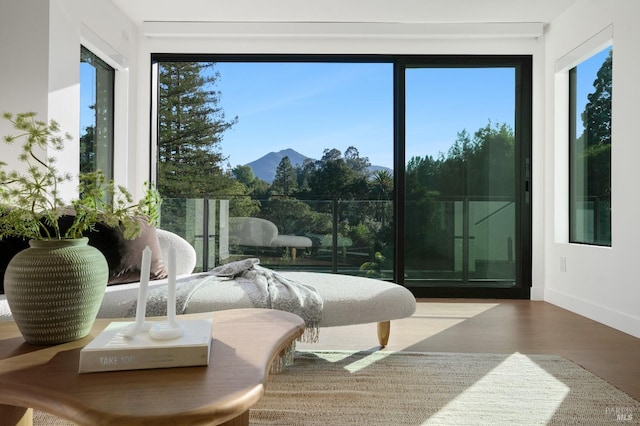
(384, 329)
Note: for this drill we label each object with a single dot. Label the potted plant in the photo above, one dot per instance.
(54, 288)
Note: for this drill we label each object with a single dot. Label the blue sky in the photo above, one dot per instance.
(307, 107)
(313, 106)
(87, 95)
(444, 101)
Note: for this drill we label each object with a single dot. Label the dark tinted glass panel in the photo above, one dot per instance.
(96, 114)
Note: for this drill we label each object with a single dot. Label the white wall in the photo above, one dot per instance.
(40, 50)
(24, 52)
(102, 28)
(600, 282)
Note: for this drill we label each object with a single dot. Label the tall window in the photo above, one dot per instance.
(590, 93)
(96, 114)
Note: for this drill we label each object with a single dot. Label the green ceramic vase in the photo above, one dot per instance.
(54, 289)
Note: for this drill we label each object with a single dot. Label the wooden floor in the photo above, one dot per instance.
(502, 326)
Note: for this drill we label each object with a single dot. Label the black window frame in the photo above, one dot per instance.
(523, 124)
(573, 139)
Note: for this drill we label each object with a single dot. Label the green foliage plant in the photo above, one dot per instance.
(30, 202)
(373, 268)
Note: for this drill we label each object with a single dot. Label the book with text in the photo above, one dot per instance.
(112, 350)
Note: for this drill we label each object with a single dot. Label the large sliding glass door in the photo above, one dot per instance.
(466, 180)
(411, 169)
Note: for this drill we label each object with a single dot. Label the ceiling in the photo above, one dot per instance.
(396, 11)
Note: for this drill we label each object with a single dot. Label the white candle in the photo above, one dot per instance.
(171, 297)
(170, 329)
(142, 293)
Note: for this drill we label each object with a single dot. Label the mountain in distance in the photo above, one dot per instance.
(374, 169)
(265, 167)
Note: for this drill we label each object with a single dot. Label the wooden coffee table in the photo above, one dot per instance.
(245, 343)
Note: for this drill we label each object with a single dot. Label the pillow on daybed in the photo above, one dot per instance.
(124, 257)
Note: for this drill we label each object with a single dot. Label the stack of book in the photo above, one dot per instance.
(114, 350)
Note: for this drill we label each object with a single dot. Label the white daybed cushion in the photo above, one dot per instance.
(357, 300)
(346, 299)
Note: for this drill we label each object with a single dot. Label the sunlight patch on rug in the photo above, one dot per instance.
(509, 396)
(365, 362)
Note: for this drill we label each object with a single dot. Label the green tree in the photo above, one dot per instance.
(245, 175)
(478, 165)
(331, 155)
(294, 217)
(87, 151)
(426, 235)
(332, 176)
(240, 195)
(382, 184)
(191, 126)
(303, 172)
(597, 112)
(360, 165)
(381, 189)
(285, 182)
(596, 118)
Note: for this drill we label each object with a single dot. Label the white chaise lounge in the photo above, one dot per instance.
(346, 299)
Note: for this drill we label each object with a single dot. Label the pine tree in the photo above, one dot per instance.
(191, 126)
(285, 181)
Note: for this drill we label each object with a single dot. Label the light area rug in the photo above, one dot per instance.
(410, 388)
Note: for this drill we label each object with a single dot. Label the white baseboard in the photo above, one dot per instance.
(537, 293)
(620, 321)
